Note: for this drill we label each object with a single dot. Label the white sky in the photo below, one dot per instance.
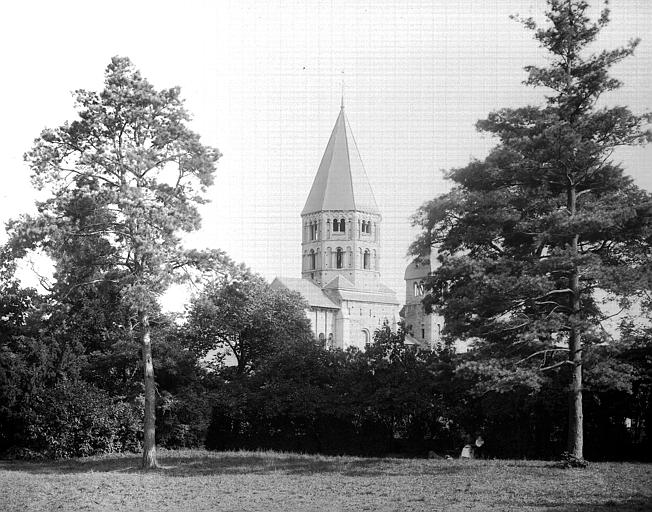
(262, 79)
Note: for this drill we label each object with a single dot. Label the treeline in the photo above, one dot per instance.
(395, 399)
(71, 385)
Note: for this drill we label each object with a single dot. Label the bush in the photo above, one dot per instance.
(77, 420)
(182, 419)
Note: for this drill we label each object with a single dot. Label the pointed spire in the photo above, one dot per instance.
(341, 182)
(342, 102)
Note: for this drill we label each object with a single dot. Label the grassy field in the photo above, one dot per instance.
(203, 481)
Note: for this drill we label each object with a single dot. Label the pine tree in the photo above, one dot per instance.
(124, 180)
(529, 236)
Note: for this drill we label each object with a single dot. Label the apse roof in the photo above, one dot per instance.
(341, 182)
(417, 269)
(313, 295)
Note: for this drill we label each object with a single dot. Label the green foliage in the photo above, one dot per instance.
(529, 234)
(125, 180)
(310, 399)
(240, 315)
(76, 420)
(183, 418)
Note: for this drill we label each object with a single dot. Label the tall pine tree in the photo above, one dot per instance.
(530, 237)
(125, 180)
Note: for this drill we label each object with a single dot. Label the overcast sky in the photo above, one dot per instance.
(262, 80)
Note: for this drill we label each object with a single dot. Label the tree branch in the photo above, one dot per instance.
(544, 352)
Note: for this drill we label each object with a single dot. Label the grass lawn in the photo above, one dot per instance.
(201, 481)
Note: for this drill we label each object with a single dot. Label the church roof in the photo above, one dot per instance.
(417, 269)
(312, 293)
(341, 182)
(345, 290)
(379, 296)
(412, 341)
(340, 283)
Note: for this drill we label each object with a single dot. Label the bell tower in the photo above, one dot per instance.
(341, 221)
(340, 249)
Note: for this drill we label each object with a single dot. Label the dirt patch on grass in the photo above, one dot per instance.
(202, 481)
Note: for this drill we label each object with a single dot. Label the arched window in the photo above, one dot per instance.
(369, 227)
(321, 337)
(364, 226)
(339, 258)
(365, 337)
(336, 225)
(311, 257)
(342, 225)
(365, 260)
(418, 289)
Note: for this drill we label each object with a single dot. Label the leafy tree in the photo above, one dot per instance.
(528, 235)
(404, 386)
(125, 179)
(239, 314)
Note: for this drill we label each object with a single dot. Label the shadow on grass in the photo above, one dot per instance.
(637, 504)
(176, 465)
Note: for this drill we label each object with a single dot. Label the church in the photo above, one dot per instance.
(341, 249)
(423, 329)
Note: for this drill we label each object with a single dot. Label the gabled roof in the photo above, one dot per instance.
(341, 182)
(313, 295)
(340, 283)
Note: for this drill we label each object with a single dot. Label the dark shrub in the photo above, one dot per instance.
(77, 419)
(182, 419)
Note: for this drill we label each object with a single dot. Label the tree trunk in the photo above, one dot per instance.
(575, 412)
(149, 426)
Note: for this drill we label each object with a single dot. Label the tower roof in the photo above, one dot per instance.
(341, 182)
(417, 269)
